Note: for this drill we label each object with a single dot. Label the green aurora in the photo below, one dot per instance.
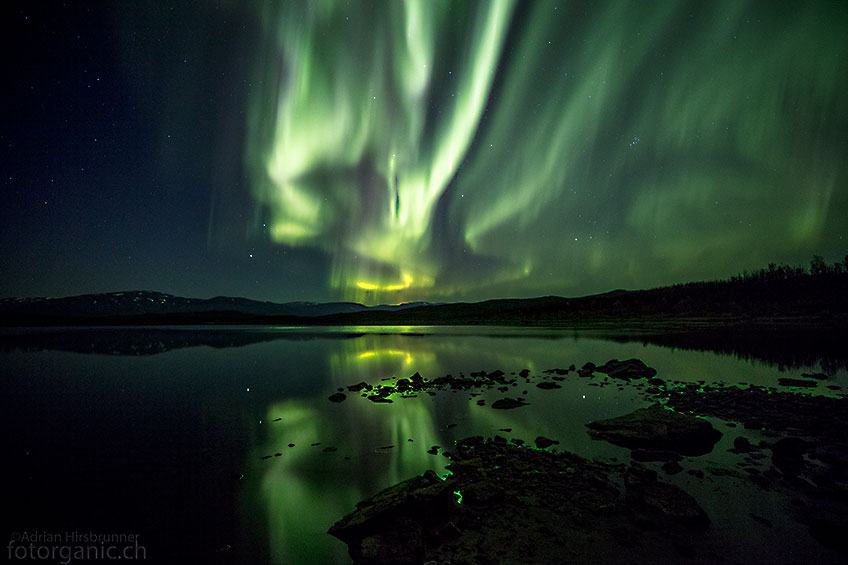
(438, 150)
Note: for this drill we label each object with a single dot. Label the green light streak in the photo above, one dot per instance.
(344, 123)
(436, 149)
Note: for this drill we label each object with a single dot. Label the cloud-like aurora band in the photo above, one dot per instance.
(442, 149)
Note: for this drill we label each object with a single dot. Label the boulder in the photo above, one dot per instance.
(658, 429)
(509, 504)
(626, 370)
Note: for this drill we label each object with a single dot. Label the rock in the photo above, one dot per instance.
(671, 467)
(830, 533)
(742, 445)
(587, 371)
(524, 505)
(818, 376)
(658, 429)
(547, 385)
(338, 397)
(797, 382)
(387, 527)
(648, 455)
(787, 455)
(542, 442)
(417, 380)
(359, 386)
(378, 398)
(655, 497)
(626, 370)
(508, 403)
(524, 373)
(764, 521)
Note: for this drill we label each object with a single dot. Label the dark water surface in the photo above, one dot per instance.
(162, 433)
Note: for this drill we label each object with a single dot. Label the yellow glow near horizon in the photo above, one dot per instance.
(376, 354)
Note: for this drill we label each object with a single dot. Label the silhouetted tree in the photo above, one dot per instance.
(817, 265)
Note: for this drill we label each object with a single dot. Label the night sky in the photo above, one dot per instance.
(389, 152)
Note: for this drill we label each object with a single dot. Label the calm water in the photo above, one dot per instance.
(161, 433)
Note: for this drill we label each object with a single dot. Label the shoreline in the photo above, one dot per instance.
(515, 501)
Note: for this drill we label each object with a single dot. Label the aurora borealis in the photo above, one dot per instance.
(433, 150)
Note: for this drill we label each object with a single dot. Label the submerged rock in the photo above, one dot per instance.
(819, 376)
(658, 429)
(337, 397)
(797, 382)
(508, 403)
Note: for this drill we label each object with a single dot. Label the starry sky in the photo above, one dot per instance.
(388, 152)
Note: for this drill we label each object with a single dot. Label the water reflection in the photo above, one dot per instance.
(258, 390)
(785, 349)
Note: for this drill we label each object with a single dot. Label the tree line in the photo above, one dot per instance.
(818, 268)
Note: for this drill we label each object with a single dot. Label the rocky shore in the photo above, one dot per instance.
(515, 501)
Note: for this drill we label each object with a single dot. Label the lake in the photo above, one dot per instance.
(220, 445)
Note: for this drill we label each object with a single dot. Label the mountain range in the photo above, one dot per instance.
(766, 298)
(148, 303)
